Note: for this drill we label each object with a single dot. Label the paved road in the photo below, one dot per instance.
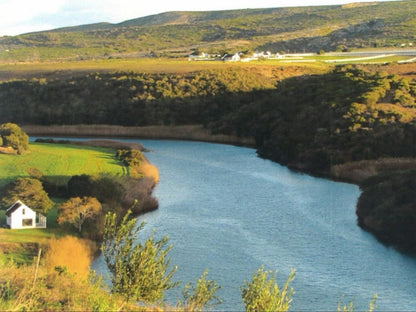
(375, 52)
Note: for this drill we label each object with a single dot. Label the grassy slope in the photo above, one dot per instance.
(174, 34)
(58, 161)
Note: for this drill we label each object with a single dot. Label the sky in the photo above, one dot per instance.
(22, 16)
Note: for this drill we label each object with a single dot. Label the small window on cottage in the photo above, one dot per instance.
(27, 222)
(23, 211)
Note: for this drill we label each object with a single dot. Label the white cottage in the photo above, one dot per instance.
(233, 58)
(20, 216)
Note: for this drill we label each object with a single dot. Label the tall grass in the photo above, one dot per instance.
(358, 171)
(187, 132)
(70, 253)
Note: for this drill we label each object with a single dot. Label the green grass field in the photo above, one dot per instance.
(59, 162)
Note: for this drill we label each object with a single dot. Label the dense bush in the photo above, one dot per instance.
(314, 122)
(28, 190)
(11, 135)
(128, 98)
(387, 208)
(116, 194)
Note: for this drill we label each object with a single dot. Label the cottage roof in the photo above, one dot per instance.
(13, 208)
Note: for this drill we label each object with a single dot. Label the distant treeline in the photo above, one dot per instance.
(133, 99)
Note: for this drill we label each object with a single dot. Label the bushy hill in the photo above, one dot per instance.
(298, 29)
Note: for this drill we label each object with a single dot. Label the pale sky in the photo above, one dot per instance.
(22, 16)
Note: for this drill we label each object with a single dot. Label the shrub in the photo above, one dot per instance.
(263, 294)
(14, 137)
(139, 271)
(197, 297)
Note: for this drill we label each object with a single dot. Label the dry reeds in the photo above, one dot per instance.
(358, 171)
(188, 132)
(71, 253)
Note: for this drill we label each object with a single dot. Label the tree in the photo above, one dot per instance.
(77, 210)
(28, 190)
(139, 270)
(197, 298)
(14, 137)
(263, 294)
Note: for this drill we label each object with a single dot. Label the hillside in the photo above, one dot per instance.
(177, 34)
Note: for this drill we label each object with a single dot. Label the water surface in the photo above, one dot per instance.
(229, 211)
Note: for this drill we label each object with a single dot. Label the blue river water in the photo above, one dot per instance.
(229, 211)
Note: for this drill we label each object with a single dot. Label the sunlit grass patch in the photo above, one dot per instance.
(58, 162)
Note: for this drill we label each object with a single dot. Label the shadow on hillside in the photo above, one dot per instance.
(369, 32)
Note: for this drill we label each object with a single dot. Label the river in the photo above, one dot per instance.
(229, 211)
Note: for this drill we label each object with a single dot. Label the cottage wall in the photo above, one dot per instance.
(22, 217)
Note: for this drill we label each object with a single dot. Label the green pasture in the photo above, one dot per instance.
(58, 162)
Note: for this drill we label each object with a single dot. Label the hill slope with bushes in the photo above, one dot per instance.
(174, 34)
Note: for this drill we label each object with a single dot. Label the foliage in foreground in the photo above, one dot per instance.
(61, 282)
(263, 294)
(350, 308)
(197, 298)
(139, 271)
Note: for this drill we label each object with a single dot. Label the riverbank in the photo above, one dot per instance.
(188, 133)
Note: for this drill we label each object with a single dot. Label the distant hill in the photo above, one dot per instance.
(176, 34)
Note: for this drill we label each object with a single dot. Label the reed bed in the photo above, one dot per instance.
(358, 171)
(189, 132)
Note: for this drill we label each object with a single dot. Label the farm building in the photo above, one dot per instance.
(20, 216)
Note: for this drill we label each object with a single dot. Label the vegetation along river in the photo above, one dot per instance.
(229, 211)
